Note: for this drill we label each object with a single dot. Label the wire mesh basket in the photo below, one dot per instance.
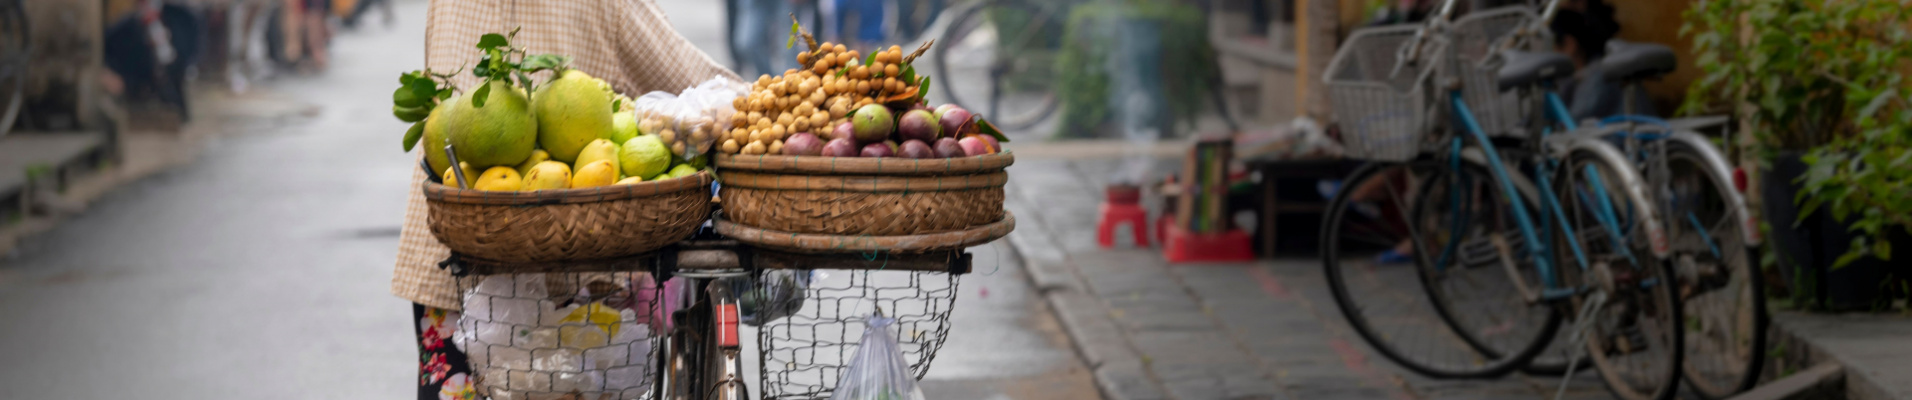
(1475, 36)
(1382, 113)
(804, 354)
(561, 335)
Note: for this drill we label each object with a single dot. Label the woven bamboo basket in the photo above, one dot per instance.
(568, 225)
(906, 244)
(847, 196)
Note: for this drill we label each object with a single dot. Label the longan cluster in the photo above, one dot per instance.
(833, 82)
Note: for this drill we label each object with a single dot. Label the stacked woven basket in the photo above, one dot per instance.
(841, 204)
(567, 225)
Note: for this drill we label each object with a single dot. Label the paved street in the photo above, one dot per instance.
(261, 270)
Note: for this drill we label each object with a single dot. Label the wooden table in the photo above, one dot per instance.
(1273, 173)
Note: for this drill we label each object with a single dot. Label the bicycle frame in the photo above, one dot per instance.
(1536, 238)
(1715, 161)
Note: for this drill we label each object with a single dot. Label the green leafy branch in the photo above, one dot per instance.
(418, 93)
(503, 63)
(1830, 83)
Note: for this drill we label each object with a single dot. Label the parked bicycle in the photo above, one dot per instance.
(1499, 252)
(1711, 231)
(998, 57)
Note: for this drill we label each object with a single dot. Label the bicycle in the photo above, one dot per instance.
(1497, 295)
(1005, 52)
(1012, 45)
(1712, 233)
(1711, 230)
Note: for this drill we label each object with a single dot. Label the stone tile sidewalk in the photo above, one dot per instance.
(1263, 330)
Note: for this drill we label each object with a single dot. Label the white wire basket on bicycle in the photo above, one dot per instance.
(1476, 36)
(803, 355)
(550, 335)
(1383, 114)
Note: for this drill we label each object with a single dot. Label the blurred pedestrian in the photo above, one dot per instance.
(860, 22)
(628, 44)
(759, 34)
(305, 34)
(150, 51)
(358, 11)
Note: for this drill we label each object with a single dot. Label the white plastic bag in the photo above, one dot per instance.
(877, 371)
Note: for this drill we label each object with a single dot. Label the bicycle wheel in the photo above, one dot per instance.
(1633, 334)
(1720, 290)
(1517, 289)
(1392, 292)
(998, 60)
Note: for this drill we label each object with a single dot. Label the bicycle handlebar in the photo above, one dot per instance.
(1547, 13)
(1411, 53)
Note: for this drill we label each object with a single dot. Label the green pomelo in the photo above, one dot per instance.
(503, 132)
(435, 136)
(572, 111)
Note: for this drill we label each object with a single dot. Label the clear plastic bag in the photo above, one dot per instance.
(655, 112)
(877, 371)
(692, 121)
(703, 115)
(777, 294)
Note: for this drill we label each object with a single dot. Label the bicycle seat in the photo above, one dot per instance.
(1525, 68)
(1630, 61)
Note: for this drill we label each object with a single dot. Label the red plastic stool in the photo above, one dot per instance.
(1122, 204)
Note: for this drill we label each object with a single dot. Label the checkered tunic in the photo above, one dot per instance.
(628, 43)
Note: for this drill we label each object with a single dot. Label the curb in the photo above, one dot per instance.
(1790, 330)
(1120, 374)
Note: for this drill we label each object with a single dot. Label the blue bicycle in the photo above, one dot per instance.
(1472, 235)
(1711, 233)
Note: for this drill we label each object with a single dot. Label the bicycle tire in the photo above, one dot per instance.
(1715, 372)
(1462, 361)
(18, 42)
(954, 34)
(1484, 345)
(1634, 279)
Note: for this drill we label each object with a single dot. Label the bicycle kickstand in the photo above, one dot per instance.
(1582, 322)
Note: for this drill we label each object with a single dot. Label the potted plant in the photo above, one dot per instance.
(1819, 85)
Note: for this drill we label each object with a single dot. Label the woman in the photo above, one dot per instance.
(627, 43)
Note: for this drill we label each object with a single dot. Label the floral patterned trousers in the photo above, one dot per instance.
(443, 373)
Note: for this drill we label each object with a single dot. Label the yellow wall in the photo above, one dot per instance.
(1658, 21)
